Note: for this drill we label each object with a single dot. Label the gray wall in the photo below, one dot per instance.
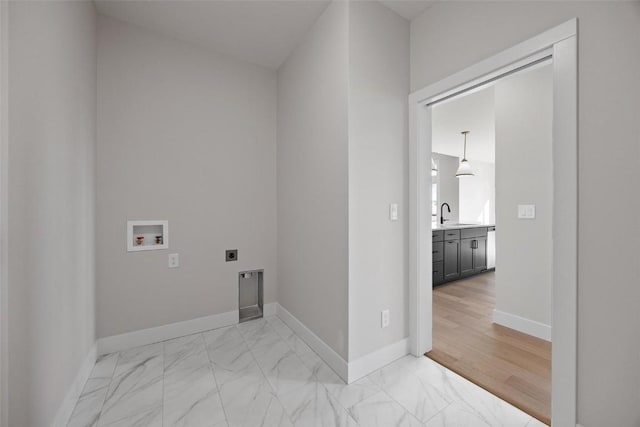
(450, 36)
(312, 179)
(478, 194)
(52, 100)
(524, 175)
(448, 185)
(378, 159)
(188, 136)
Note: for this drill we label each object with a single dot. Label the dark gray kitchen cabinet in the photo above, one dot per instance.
(466, 257)
(451, 260)
(473, 256)
(480, 255)
(458, 253)
(438, 273)
(437, 252)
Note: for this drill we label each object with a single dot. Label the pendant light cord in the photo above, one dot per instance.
(464, 157)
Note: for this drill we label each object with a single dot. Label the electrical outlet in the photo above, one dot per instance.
(393, 212)
(231, 255)
(384, 318)
(174, 260)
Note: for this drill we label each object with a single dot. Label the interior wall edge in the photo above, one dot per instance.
(75, 390)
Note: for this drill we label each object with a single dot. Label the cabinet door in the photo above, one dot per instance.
(437, 253)
(438, 273)
(466, 257)
(451, 259)
(480, 255)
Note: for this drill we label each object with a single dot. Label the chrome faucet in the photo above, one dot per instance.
(442, 220)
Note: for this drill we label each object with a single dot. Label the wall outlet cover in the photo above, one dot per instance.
(526, 211)
(393, 211)
(384, 318)
(174, 261)
(231, 255)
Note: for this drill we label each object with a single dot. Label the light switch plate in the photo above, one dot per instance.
(384, 318)
(526, 211)
(174, 261)
(393, 211)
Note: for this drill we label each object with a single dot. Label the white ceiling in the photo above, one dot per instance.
(263, 32)
(474, 112)
(408, 9)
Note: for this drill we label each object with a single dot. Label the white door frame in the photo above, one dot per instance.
(4, 174)
(561, 43)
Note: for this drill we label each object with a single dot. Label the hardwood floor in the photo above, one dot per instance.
(514, 366)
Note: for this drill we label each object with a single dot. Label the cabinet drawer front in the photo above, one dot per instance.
(474, 232)
(437, 236)
(452, 235)
(438, 273)
(437, 251)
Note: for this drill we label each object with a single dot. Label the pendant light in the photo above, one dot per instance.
(465, 168)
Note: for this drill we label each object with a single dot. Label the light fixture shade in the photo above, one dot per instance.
(464, 169)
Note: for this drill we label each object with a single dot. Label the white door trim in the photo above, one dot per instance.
(4, 208)
(561, 42)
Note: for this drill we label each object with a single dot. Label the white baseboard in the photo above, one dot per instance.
(349, 372)
(69, 402)
(368, 363)
(527, 326)
(172, 330)
(326, 353)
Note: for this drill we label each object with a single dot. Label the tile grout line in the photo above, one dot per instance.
(398, 403)
(438, 413)
(316, 378)
(306, 343)
(253, 356)
(99, 412)
(104, 399)
(215, 379)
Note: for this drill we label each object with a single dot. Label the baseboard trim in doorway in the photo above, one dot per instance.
(375, 360)
(526, 326)
(69, 402)
(326, 353)
(133, 339)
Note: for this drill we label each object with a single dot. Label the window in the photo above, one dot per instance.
(434, 204)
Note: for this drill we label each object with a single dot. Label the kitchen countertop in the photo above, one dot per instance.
(459, 226)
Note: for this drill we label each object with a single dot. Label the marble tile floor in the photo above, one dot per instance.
(260, 373)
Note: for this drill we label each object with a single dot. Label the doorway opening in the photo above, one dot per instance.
(560, 46)
(492, 197)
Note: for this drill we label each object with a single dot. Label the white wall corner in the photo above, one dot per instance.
(270, 309)
(375, 360)
(69, 402)
(521, 324)
(326, 353)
